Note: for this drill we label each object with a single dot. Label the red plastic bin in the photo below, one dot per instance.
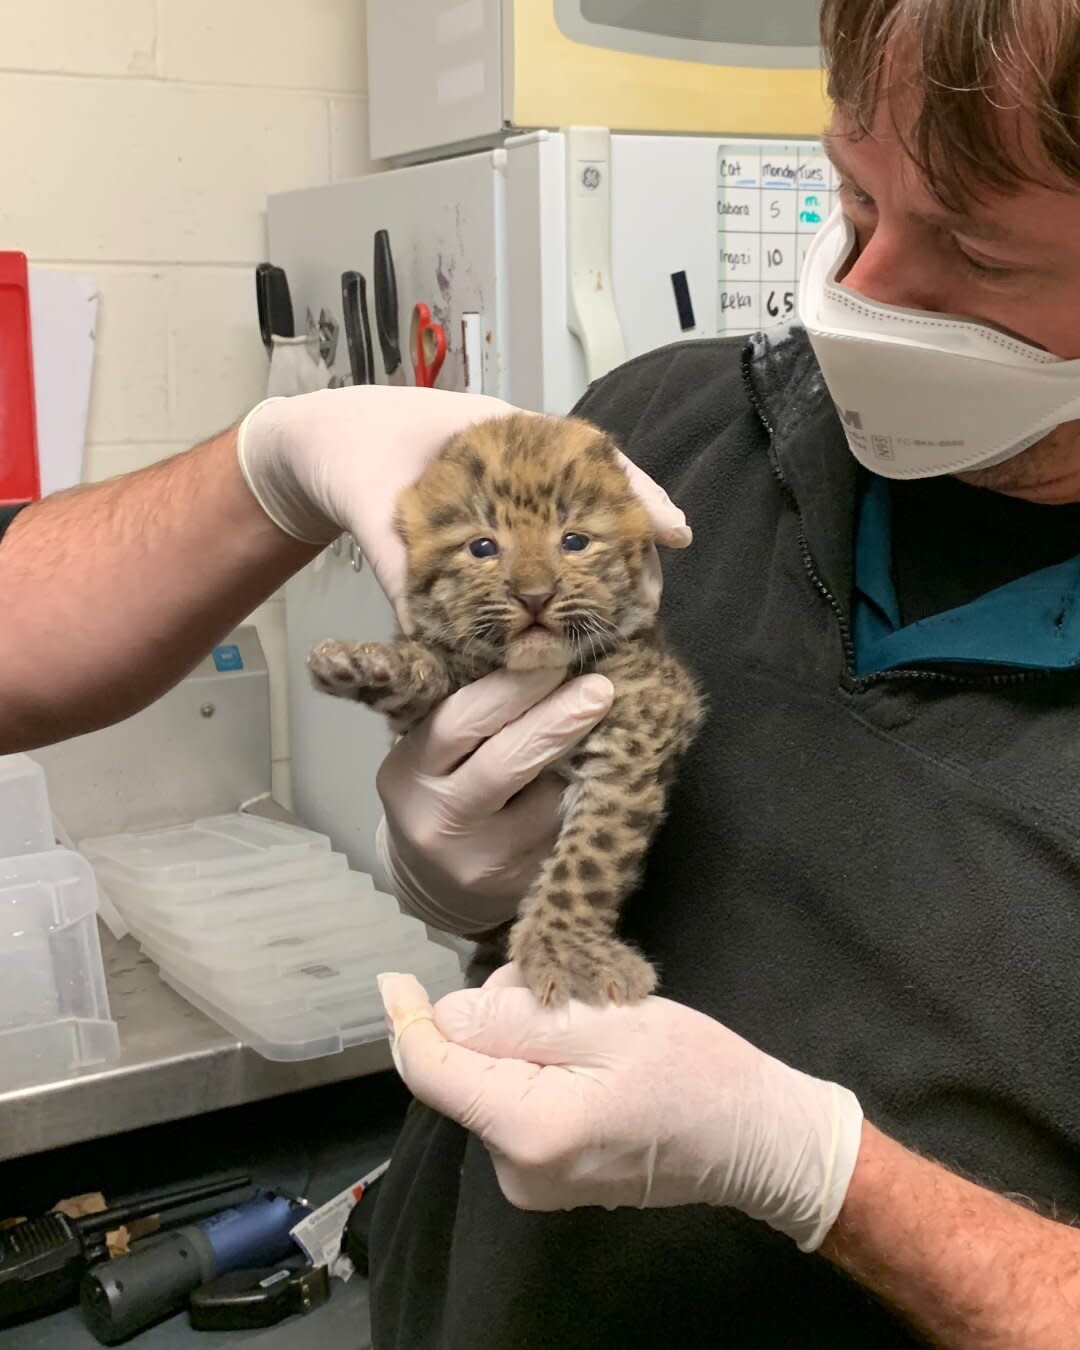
(20, 480)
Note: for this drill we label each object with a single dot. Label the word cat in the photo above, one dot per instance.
(526, 547)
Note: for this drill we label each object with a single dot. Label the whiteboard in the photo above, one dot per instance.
(770, 202)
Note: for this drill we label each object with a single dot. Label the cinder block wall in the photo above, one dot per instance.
(141, 140)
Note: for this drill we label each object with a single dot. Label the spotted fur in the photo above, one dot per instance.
(528, 484)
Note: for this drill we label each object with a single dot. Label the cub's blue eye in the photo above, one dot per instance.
(575, 543)
(484, 548)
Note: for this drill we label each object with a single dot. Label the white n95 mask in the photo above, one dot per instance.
(922, 394)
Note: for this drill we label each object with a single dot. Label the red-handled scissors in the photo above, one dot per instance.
(427, 344)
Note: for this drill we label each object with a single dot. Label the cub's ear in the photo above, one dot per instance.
(406, 514)
(404, 509)
(651, 584)
(592, 443)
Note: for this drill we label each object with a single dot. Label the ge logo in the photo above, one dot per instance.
(590, 178)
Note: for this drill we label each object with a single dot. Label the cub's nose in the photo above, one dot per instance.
(534, 601)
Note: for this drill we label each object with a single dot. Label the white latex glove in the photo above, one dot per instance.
(296, 367)
(647, 1105)
(335, 460)
(466, 826)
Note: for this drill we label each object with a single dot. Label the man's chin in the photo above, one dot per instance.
(536, 649)
(1046, 473)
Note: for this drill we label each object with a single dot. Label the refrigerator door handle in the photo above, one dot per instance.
(590, 299)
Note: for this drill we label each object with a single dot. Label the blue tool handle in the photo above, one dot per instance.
(252, 1234)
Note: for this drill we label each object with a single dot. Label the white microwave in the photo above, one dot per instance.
(447, 75)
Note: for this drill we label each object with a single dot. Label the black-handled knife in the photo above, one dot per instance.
(262, 299)
(274, 304)
(386, 309)
(357, 327)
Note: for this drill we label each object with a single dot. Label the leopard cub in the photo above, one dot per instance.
(526, 547)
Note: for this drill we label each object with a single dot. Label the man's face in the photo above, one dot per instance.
(1012, 260)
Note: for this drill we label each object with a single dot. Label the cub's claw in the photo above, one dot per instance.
(360, 670)
(591, 968)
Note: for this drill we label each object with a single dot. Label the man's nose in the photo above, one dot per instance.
(893, 269)
(536, 600)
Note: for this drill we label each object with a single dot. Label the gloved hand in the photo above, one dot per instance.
(466, 825)
(336, 460)
(647, 1105)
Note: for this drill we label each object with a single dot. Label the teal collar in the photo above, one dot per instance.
(1031, 623)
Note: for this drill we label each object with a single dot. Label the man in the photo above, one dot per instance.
(114, 592)
(871, 869)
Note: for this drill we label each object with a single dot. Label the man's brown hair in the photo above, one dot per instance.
(973, 66)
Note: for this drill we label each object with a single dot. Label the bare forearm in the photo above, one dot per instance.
(964, 1266)
(113, 592)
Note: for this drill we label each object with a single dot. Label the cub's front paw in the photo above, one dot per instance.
(590, 967)
(358, 670)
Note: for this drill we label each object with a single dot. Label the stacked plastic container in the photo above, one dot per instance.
(54, 1009)
(265, 929)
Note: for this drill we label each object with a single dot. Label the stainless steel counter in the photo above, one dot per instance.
(172, 762)
(174, 1062)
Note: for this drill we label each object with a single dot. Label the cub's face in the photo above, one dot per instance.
(526, 546)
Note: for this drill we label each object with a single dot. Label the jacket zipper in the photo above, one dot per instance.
(861, 682)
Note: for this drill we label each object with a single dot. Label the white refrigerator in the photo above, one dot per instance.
(548, 261)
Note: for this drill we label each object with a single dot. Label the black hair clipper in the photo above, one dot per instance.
(258, 1298)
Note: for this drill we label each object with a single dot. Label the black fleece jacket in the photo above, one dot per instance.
(876, 881)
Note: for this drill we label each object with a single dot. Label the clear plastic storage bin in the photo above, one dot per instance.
(25, 818)
(242, 921)
(215, 849)
(354, 927)
(201, 897)
(322, 1008)
(267, 931)
(54, 1010)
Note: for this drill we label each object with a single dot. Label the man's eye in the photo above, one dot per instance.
(983, 268)
(484, 548)
(855, 195)
(575, 543)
